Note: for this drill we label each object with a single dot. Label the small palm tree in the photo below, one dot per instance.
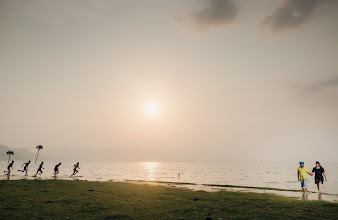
(9, 153)
(39, 147)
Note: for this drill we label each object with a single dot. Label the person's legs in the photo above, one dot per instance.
(320, 186)
(305, 185)
(302, 185)
(75, 172)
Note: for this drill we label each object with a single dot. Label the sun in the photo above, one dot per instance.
(151, 109)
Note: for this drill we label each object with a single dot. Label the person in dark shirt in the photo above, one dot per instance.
(75, 171)
(319, 172)
(25, 168)
(39, 169)
(56, 168)
(9, 168)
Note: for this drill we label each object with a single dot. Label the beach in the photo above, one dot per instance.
(55, 199)
(199, 109)
(275, 178)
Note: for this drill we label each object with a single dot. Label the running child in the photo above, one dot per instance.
(75, 171)
(9, 167)
(39, 169)
(25, 168)
(56, 168)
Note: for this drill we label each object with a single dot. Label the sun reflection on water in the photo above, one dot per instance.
(151, 169)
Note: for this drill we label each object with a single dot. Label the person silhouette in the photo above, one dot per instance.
(25, 168)
(9, 168)
(56, 168)
(75, 171)
(39, 169)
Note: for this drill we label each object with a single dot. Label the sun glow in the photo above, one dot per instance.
(151, 109)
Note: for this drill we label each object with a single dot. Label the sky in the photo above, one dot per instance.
(171, 80)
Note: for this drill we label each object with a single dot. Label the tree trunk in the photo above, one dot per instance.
(9, 158)
(37, 156)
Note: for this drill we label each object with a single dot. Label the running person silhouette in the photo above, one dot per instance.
(25, 168)
(9, 167)
(56, 168)
(75, 171)
(39, 169)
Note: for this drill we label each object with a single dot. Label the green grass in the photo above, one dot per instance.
(60, 199)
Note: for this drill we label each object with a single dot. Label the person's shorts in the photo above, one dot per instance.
(303, 183)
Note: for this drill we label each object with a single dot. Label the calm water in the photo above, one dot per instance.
(281, 176)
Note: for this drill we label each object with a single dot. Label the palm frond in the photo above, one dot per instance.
(39, 147)
(10, 152)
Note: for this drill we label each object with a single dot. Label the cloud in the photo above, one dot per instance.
(294, 13)
(214, 13)
(322, 85)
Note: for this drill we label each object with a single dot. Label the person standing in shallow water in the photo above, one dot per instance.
(25, 168)
(319, 172)
(75, 171)
(302, 173)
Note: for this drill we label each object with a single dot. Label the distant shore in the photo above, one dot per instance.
(50, 199)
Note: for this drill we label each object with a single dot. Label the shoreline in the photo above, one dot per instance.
(50, 199)
(291, 193)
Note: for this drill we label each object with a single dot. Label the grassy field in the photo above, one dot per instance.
(60, 199)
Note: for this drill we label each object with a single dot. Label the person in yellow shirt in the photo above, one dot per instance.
(302, 173)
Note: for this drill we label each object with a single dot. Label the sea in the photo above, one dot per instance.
(196, 176)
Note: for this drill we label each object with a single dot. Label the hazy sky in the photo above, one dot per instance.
(194, 80)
